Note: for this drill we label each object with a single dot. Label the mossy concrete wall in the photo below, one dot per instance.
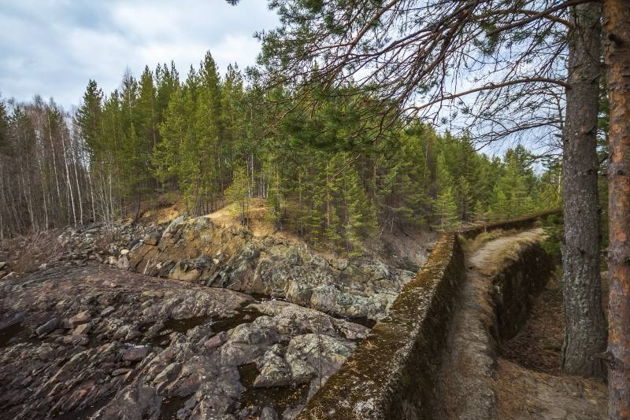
(393, 373)
(520, 223)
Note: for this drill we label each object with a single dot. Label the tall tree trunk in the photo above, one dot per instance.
(617, 34)
(585, 327)
(75, 163)
(92, 200)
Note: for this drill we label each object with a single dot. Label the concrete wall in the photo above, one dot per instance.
(393, 373)
(515, 287)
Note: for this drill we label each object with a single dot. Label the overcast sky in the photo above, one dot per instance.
(53, 47)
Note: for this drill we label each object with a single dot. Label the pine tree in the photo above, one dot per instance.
(361, 221)
(238, 193)
(446, 209)
(89, 116)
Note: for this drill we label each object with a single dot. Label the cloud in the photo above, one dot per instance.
(53, 48)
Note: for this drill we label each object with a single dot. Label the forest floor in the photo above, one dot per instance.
(529, 384)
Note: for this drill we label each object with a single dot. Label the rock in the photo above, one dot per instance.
(184, 271)
(123, 263)
(135, 354)
(268, 413)
(292, 412)
(75, 339)
(342, 264)
(2, 265)
(316, 356)
(107, 311)
(82, 329)
(80, 318)
(153, 238)
(155, 341)
(274, 370)
(121, 371)
(294, 258)
(216, 340)
(174, 225)
(169, 373)
(269, 266)
(124, 252)
(47, 327)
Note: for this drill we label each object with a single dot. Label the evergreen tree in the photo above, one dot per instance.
(446, 209)
(238, 193)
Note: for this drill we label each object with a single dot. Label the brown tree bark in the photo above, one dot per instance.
(585, 326)
(617, 57)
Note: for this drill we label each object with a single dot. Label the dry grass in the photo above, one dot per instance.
(259, 220)
(473, 244)
(525, 394)
(164, 208)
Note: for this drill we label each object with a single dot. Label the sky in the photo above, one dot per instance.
(53, 47)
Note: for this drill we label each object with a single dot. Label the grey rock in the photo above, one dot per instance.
(269, 266)
(48, 326)
(135, 354)
(268, 413)
(157, 340)
(107, 311)
(123, 263)
(274, 370)
(152, 238)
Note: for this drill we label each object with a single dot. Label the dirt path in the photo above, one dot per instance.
(526, 394)
(479, 384)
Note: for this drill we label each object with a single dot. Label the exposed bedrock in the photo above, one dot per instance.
(197, 251)
(97, 342)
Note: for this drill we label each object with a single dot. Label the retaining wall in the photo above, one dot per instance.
(394, 372)
(515, 287)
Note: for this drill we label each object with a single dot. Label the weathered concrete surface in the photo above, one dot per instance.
(525, 222)
(502, 276)
(392, 374)
(97, 342)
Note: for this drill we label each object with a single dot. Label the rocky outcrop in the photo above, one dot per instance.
(197, 251)
(97, 342)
